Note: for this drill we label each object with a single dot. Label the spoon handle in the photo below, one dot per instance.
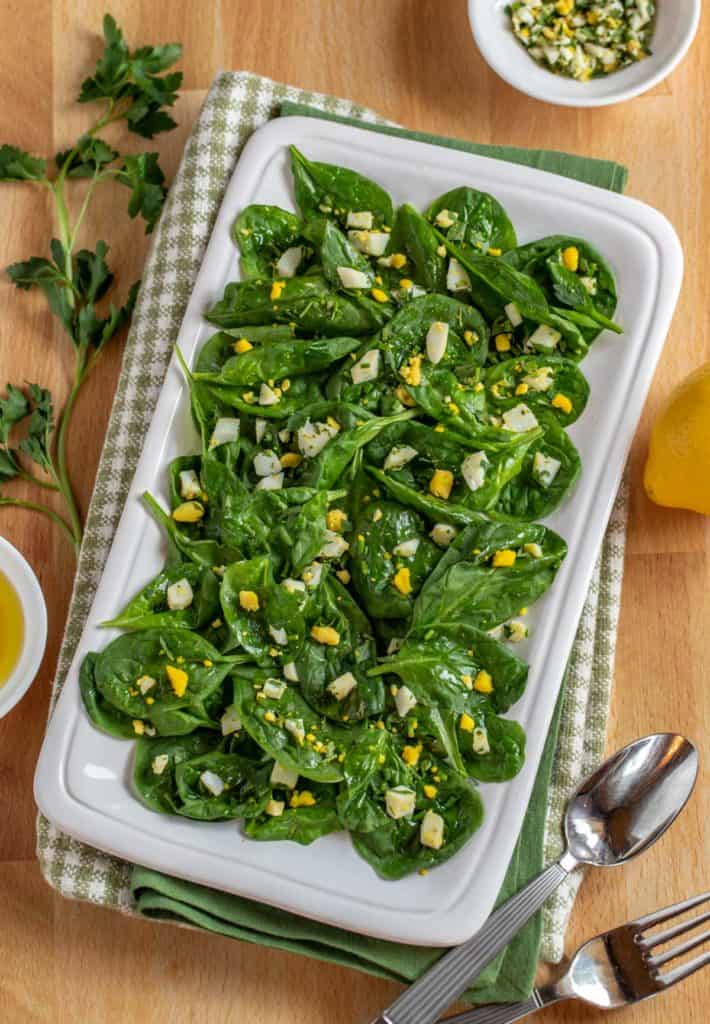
(423, 1001)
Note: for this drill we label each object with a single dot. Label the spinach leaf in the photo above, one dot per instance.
(309, 302)
(467, 587)
(157, 760)
(395, 849)
(479, 220)
(149, 608)
(281, 728)
(532, 494)
(131, 674)
(325, 188)
(336, 250)
(326, 468)
(299, 824)
(220, 347)
(246, 787)
(501, 753)
(263, 233)
(413, 236)
(254, 605)
(281, 359)
(103, 714)
(372, 765)
(536, 381)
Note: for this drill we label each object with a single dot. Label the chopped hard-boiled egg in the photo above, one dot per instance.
(289, 261)
(178, 679)
(399, 456)
(325, 635)
(146, 683)
(282, 776)
(190, 486)
(293, 586)
(480, 741)
(351, 278)
(545, 338)
(400, 802)
(372, 243)
(266, 463)
(342, 686)
(483, 683)
(402, 580)
(231, 721)
(335, 545)
(504, 558)
(519, 419)
(226, 431)
(313, 437)
(513, 314)
(188, 512)
(295, 727)
(441, 483)
(274, 689)
(436, 340)
(275, 808)
(249, 600)
(540, 380)
(473, 470)
(457, 279)
(159, 763)
(406, 548)
(291, 672)
(431, 831)
(404, 700)
(443, 534)
(534, 550)
(367, 367)
(274, 482)
(212, 783)
(268, 395)
(545, 468)
(359, 219)
(179, 595)
(562, 403)
(278, 635)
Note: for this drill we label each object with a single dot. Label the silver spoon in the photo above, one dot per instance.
(617, 813)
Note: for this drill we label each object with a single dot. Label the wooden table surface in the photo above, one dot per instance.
(414, 62)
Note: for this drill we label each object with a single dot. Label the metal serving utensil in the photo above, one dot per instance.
(617, 813)
(615, 969)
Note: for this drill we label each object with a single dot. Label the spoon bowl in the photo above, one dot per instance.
(631, 800)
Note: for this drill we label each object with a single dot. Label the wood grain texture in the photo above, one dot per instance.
(416, 63)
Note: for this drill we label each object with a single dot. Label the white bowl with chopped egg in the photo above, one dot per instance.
(675, 27)
(24, 615)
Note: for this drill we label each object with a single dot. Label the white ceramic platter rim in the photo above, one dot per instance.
(82, 777)
(676, 24)
(34, 611)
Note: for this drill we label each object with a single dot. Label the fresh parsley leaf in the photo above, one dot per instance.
(92, 278)
(87, 158)
(37, 443)
(96, 331)
(8, 465)
(42, 273)
(133, 83)
(143, 175)
(13, 408)
(18, 165)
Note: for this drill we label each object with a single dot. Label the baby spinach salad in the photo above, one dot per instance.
(383, 414)
(584, 39)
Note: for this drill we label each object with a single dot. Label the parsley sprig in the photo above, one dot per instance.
(136, 88)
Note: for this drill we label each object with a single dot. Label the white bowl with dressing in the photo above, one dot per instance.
(676, 25)
(21, 659)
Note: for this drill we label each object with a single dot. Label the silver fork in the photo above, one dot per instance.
(620, 967)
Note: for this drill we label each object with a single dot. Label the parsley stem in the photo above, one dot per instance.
(63, 479)
(33, 506)
(49, 485)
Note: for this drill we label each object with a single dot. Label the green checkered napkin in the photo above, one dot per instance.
(236, 105)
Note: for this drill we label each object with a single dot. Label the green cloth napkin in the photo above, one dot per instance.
(237, 104)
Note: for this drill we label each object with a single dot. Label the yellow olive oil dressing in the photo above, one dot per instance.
(12, 628)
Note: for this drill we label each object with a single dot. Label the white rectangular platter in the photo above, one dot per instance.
(83, 777)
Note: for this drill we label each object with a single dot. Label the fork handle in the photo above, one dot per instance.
(443, 983)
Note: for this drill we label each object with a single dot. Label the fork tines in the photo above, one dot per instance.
(647, 943)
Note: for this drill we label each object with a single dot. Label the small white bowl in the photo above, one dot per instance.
(676, 25)
(22, 578)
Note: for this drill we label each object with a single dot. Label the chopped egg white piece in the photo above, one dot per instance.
(431, 831)
(445, 219)
(146, 683)
(359, 219)
(190, 487)
(400, 802)
(519, 419)
(159, 764)
(279, 635)
(367, 367)
(312, 574)
(266, 463)
(515, 631)
(293, 586)
(230, 721)
(351, 278)
(372, 243)
(212, 783)
(545, 468)
(342, 686)
(291, 672)
(395, 644)
(274, 689)
(275, 808)
(407, 548)
(545, 337)
(295, 727)
(436, 340)
(282, 776)
(313, 437)
(226, 430)
(457, 279)
(271, 483)
(179, 595)
(259, 430)
(267, 395)
(473, 470)
(540, 380)
(513, 314)
(289, 261)
(480, 741)
(443, 533)
(335, 545)
(404, 701)
(399, 456)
